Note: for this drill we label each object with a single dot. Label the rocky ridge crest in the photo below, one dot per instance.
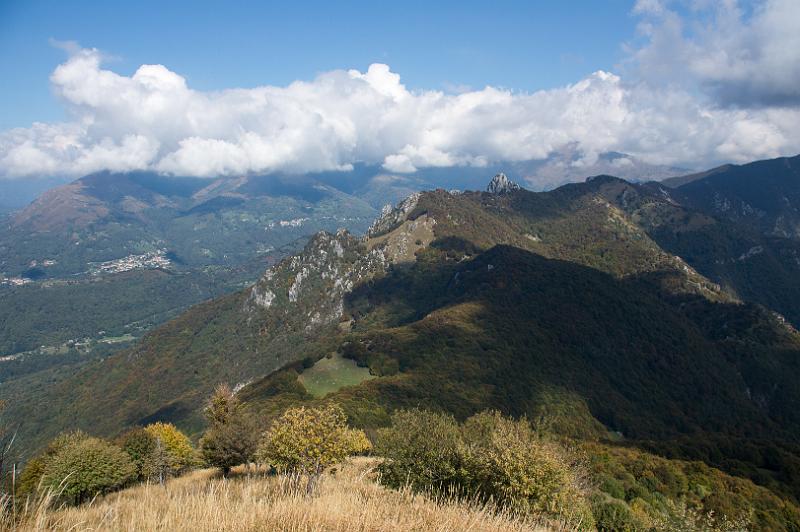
(500, 184)
(307, 291)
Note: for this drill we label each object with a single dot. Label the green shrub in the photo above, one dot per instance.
(141, 447)
(504, 460)
(421, 450)
(490, 457)
(612, 486)
(81, 469)
(357, 442)
(29, 478)
(614, 515)
(34, 470)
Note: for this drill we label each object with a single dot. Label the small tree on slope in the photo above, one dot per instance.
(304, 441)
(231, 438)
(172, 453)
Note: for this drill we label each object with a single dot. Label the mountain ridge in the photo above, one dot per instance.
(765, 194)
(456, 301)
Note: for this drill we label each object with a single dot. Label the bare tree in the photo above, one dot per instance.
(159, 462)
(8, 455)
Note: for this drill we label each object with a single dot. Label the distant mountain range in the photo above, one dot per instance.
(131, 250)
(209, 236)
(637, 313)
(763, 194)
(221, 233)
(107, 216)
(371, 182)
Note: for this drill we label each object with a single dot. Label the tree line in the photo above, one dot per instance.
(502, 462)
(76, 467)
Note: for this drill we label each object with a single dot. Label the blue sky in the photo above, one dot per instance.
(229, 88)
(218, 45)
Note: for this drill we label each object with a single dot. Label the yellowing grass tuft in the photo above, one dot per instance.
(348, 500)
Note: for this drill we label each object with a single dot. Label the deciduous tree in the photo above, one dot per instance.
(304, 441)
(174, 449)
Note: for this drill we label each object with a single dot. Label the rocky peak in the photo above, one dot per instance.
(390, 217)
(306, 291)
(500, 184)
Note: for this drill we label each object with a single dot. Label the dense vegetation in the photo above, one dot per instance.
(569, 308)
(489, 456)
(109, 306)
(586, 485)
(503, 465)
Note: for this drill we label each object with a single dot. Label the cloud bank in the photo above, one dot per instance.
(741, 59)
(722, 86)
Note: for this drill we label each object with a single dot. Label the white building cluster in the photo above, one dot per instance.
(153, 259)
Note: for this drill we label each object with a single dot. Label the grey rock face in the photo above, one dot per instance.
(392, 217)
(307, 290)
(500, 184)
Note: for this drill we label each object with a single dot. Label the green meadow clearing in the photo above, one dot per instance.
(331, 374)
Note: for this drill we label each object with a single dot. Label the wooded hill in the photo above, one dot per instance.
(614, 312)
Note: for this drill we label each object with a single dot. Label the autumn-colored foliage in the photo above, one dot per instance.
(304, 441)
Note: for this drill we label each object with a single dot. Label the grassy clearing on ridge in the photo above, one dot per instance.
(332, 374)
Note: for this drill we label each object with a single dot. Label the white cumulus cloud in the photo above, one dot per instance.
(743, 57)
(723, 87)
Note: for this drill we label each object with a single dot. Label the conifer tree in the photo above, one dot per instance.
(231, 438)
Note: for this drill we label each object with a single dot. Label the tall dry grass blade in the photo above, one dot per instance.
(348, 500)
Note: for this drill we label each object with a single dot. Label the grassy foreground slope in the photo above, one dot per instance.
(203, 501)
(351, 498)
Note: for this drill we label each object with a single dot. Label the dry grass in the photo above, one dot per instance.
(348, 500)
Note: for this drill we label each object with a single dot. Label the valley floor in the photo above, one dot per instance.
(348, 500)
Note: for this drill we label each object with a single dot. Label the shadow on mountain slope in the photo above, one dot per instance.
(509, 328)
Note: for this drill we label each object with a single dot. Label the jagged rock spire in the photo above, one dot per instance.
(500, 184)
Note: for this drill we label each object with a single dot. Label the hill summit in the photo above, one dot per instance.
(500, 184)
